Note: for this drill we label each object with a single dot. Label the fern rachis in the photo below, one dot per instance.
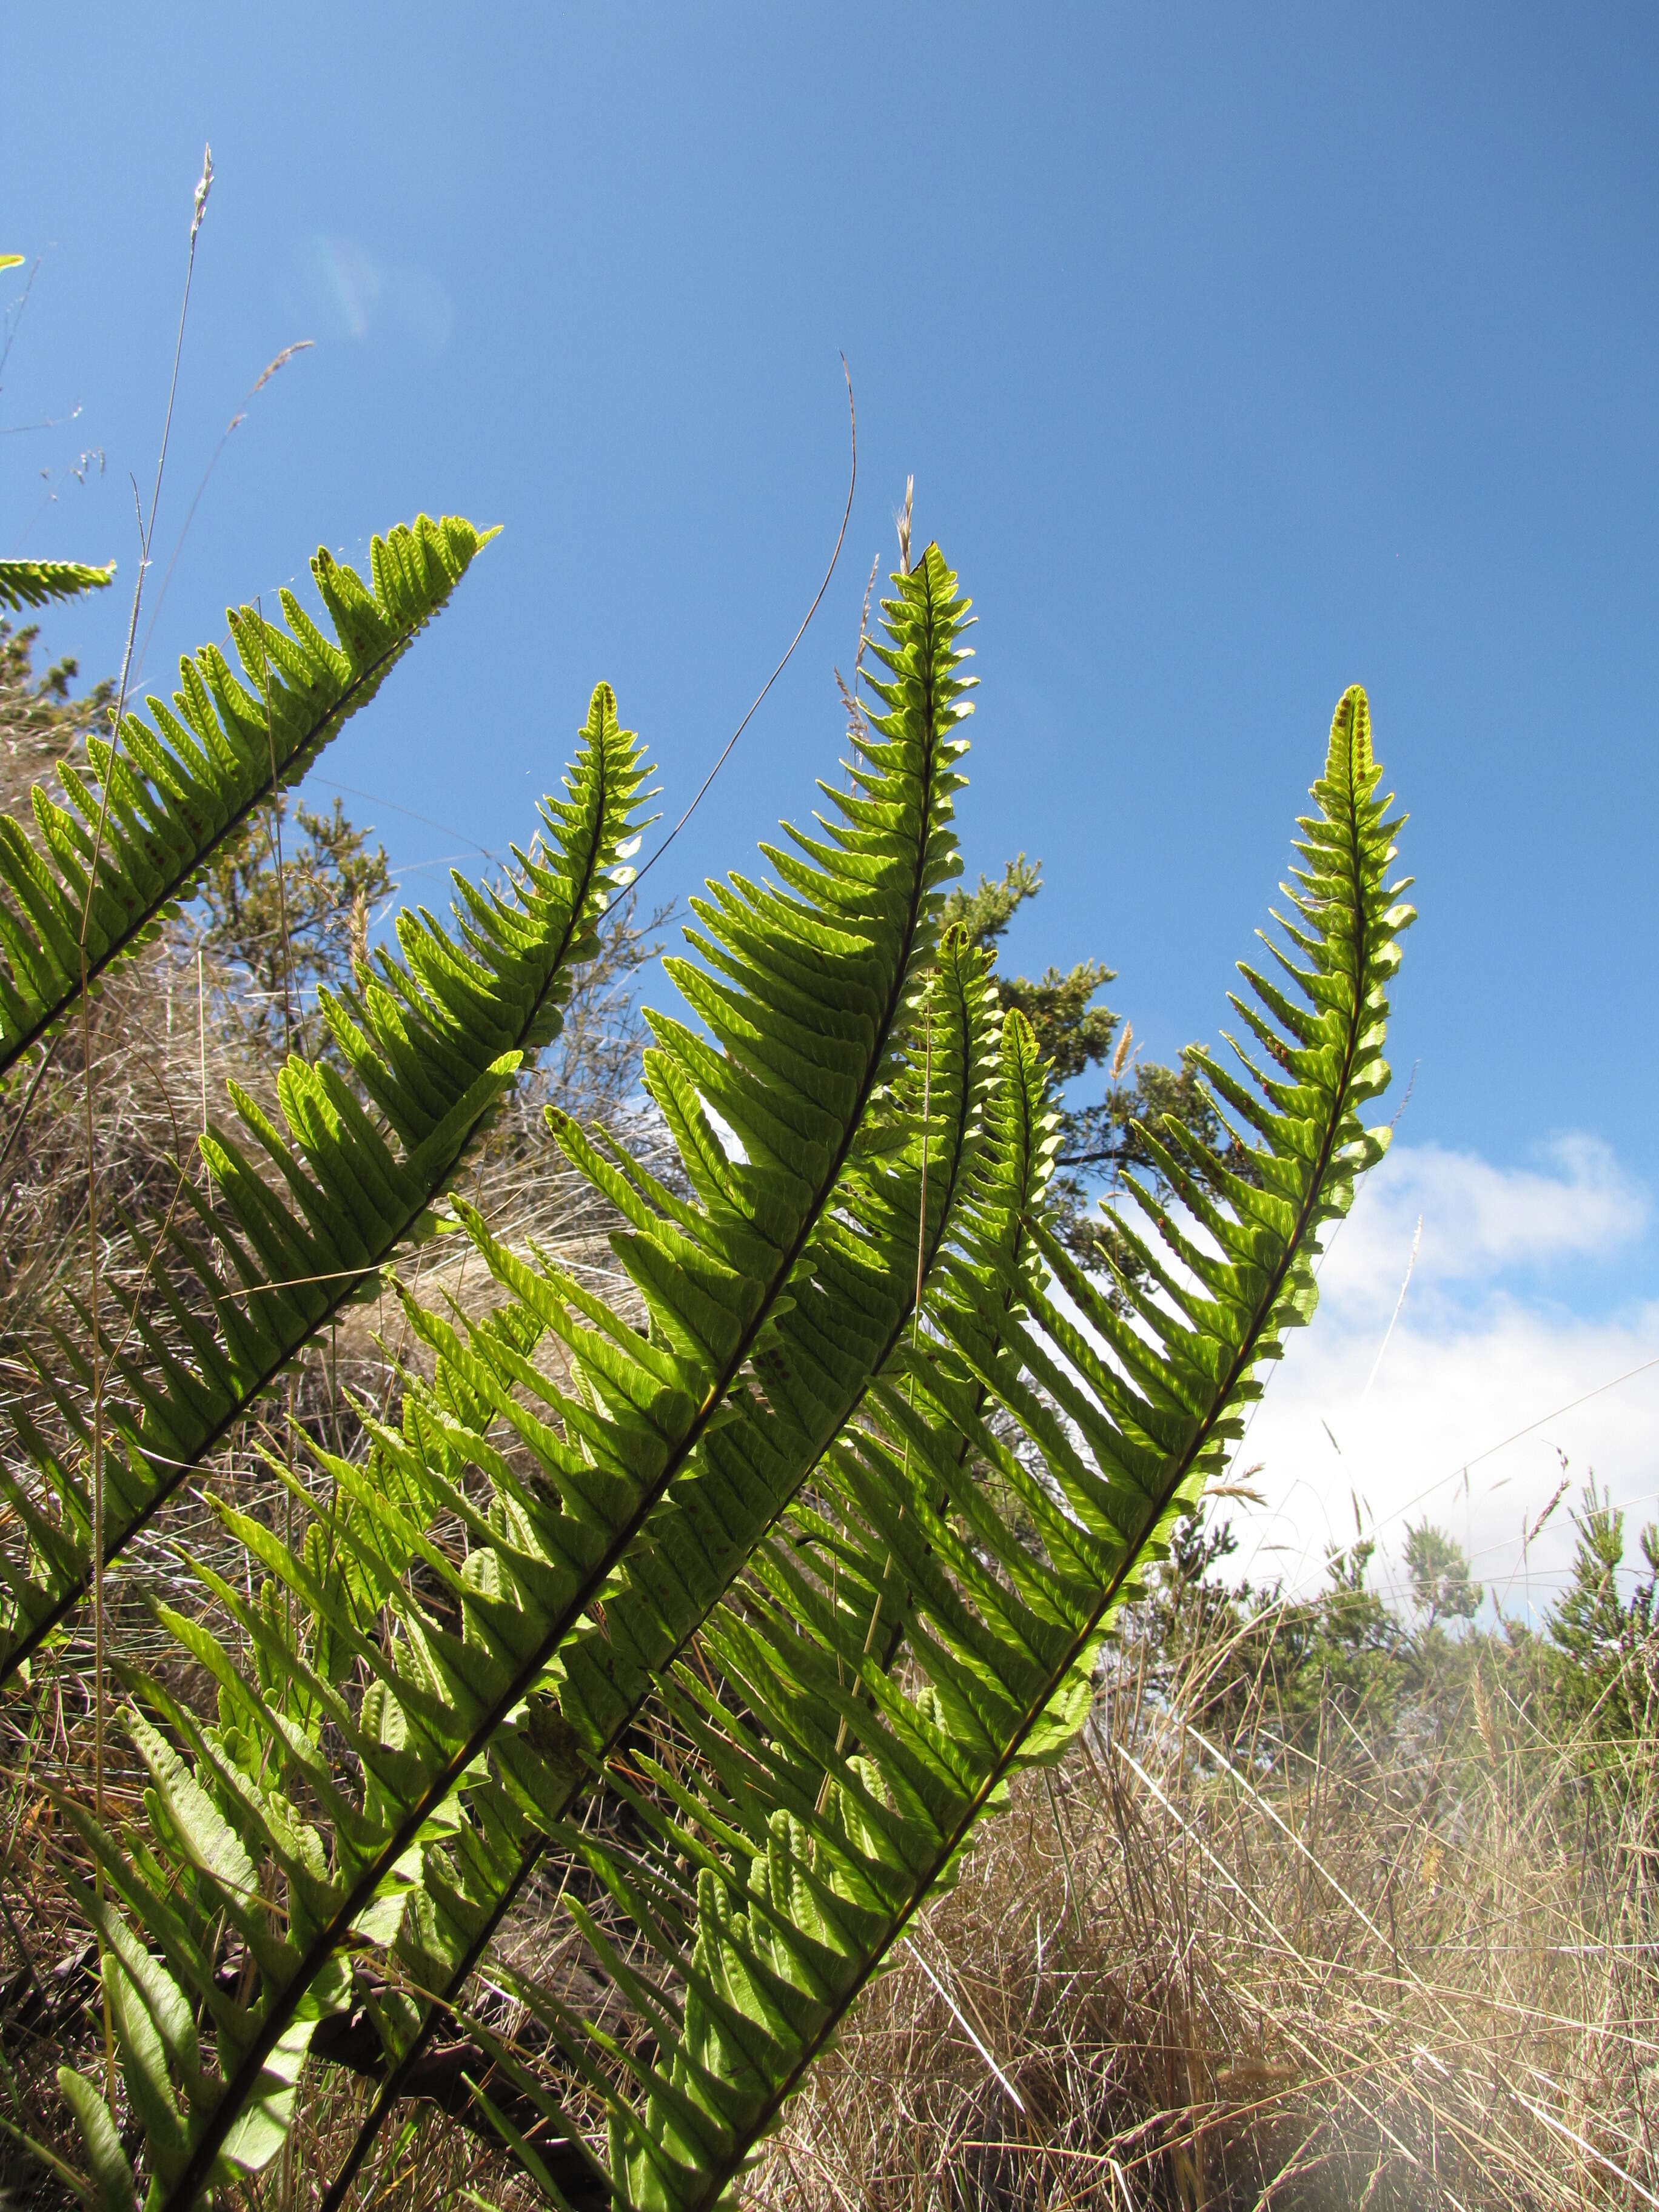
(960, 1050)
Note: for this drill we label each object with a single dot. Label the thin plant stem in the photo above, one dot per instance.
(852, 485)
(201, 1047)
(146, 533)
(98, 1620)
(16, 1129)
(100, 1626)
(301, 345)
(916, 1328)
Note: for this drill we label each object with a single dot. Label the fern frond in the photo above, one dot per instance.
(848, 1328)
(845, 1801)
(809, 989)
(38, 583)
(168, 796)
(433, 1040)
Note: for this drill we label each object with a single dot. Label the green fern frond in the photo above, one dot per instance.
(809, 989)
(845, 1801)
(847, 1326)
(433, 1040)
(169, 797)
(38, 583)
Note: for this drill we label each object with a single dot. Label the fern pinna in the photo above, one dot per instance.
(811, 988)
(39, 583)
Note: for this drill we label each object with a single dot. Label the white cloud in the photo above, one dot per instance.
(1479, 1221)
(337, 281)
(1485, 1346)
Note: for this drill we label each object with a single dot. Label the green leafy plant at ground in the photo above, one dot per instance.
(1442, 1586)
(1603, 1649)
(1583, 1676)
(738, 1592)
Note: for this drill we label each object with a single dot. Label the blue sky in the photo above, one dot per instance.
(1237, 355)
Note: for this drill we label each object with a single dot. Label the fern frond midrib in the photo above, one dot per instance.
(1011, 1298)
(813, 2048)
(193, 2176)
(391, 2084)
(296, 765)
(579, 920)
(533, 1853)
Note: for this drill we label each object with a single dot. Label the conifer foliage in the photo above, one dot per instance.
(795, 1552)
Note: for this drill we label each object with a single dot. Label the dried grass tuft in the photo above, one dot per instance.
(1411, 1974)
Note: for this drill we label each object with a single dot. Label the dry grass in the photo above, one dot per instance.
(1411, 1973)
(1399, 1968)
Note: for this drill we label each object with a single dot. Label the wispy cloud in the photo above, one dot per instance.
(1481, 1223)
(348, 294)
(1485, 1346)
